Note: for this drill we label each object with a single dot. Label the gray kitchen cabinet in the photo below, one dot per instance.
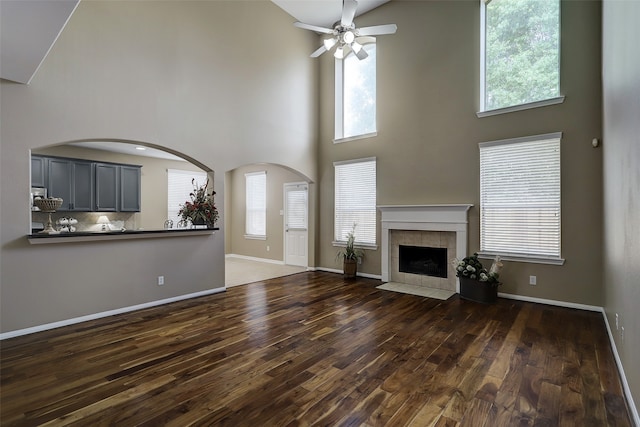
(86, 185)
(72, 181)
(38, 171)
(107, 187)
(82, 190)
(130, 188)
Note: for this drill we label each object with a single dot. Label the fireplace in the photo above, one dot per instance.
(423, 260)
(438, 229)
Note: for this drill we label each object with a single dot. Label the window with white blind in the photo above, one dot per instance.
(355, 200)
(256, 205)
(520, 199)
(179, 186)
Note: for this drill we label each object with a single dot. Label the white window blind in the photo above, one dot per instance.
(256, 204)
(355, 200)
(179, 186)
(297, 208)
(520, 196)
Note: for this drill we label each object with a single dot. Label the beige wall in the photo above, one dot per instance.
(153, 200)
(621, 145)
(277, 176)
(197, 78)
(428, 134)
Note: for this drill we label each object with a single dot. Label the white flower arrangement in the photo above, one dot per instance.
(470, 267)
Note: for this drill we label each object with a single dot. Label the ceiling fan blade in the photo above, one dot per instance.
(313, 28)
(377, 30)
(361, 54)
(348, 12)
(319, 51)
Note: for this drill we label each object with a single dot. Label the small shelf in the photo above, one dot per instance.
(40, 239)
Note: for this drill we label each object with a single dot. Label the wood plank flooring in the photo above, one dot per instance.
(314, 349)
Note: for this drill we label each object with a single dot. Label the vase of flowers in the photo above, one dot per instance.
(201, 209)
(476, 282)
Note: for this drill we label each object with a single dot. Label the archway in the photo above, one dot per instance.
(269, 248)
(155, 162)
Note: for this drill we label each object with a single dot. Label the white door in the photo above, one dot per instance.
(296, 207)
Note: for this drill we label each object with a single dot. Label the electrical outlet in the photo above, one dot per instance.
(160, 280)
(359, 260)
(617, 322)
(268, 248)
(532, 280)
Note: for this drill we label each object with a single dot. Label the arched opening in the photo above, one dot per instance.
(72, 170)
(269, 222)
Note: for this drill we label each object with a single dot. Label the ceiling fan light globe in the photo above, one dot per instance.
(348, 37)
(357, 47)
(339, 54)
(329, 43)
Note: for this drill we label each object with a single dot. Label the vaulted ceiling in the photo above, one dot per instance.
(29, 28)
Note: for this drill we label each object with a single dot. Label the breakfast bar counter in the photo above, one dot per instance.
(68, 237)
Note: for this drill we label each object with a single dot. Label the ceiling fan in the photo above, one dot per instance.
(346, 36)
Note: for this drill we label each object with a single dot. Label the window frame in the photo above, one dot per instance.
(248, 234)
(339, 99)
(483, 112)
(358, 243)
(517, 255)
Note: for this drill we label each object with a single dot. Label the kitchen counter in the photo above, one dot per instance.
(82, 236)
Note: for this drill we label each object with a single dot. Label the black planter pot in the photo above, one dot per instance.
(475, 290)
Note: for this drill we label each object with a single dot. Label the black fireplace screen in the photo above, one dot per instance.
(423, 260)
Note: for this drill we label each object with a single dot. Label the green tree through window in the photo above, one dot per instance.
(521, 52)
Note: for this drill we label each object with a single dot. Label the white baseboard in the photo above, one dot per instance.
(623, 377)
(551, 302)
(251, 258)
(47, 326)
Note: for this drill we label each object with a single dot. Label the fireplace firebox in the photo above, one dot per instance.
(423, 260)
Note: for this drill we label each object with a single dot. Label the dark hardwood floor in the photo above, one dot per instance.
(313, 349)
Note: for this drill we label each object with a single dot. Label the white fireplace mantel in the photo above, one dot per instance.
(424, 218)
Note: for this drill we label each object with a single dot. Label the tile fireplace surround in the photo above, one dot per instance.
(423, 225)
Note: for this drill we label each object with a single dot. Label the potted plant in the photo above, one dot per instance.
(476, 283)
(350, 255)
(201, 209)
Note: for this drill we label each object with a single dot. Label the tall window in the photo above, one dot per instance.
(179, 186)
(520, 52)
(355, 200)
(356, 95)
(520, 198)
(256, 204)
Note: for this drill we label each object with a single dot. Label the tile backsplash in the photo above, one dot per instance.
(87, 221)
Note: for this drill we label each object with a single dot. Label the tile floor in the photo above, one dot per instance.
(240, 271)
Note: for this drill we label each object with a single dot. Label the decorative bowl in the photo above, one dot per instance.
(48, 205)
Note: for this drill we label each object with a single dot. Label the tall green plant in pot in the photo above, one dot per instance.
(350, 255)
